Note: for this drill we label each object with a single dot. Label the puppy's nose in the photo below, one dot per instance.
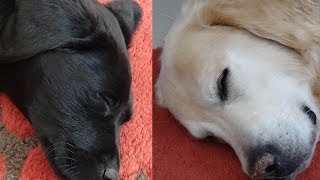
(110, 174)
(271, 165)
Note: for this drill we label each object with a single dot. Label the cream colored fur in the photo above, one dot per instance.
(292, 23)
(273, 50)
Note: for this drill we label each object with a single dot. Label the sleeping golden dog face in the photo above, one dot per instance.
(251, 92)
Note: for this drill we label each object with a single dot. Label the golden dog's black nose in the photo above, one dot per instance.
(272, 164)
(264, 165)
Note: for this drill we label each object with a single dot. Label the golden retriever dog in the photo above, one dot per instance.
(247, 72)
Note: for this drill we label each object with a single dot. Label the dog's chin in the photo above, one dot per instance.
(70, 162)
(78, 165)
(275, 178)
(61, 157)
(290, 177)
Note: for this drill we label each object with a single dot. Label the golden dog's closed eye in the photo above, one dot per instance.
(311, 114)
(222, 84)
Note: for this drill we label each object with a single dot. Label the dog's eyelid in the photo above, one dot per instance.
(312, 116)
(108, 99)
(222, 85)
(107, 112)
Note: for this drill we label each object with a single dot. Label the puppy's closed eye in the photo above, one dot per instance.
(125, 116)
(109, 100)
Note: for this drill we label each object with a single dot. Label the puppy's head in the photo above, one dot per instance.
(82, 98)
(251, 92)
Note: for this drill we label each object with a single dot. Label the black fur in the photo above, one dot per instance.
(64, 63)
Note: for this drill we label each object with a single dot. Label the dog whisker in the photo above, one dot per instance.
(65, 158)
(65, 165)
(29, 107)
(47, 150)
(57, 148)
(41, 154)
(73, 167)
(58, 144)
(75, 174)
(282, 110)
(288, 115)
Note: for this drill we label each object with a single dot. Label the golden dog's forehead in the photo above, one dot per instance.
(198, 57)
(198, 48)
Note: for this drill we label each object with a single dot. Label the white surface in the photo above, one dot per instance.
(164, 13)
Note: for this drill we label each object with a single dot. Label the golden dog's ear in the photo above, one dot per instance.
(292, 23)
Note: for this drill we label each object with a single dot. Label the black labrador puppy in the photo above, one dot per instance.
(65, 65)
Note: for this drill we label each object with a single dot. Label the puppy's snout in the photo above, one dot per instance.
(110, 174)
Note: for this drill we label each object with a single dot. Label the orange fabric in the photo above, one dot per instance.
(2, 167)
(135, 135)
(176, 155)
(13, 118)
(36, 166)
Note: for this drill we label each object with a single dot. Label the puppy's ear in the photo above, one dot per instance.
(128, 14)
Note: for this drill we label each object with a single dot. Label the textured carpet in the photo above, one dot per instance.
(21, 156)
(176, 155)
